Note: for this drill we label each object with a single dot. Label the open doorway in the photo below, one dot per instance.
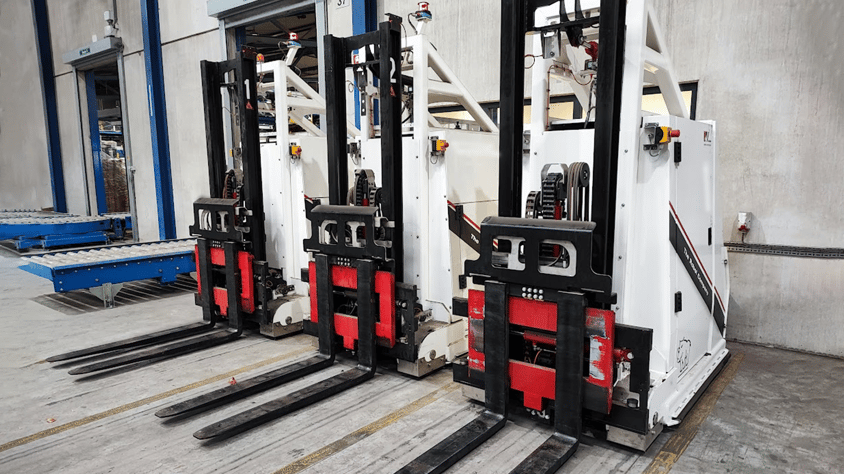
(268, 37)
(108, 153)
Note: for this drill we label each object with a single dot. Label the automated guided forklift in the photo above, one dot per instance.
(236, 286)
(599, 293)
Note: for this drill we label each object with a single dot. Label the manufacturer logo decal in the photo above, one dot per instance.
(684, 350)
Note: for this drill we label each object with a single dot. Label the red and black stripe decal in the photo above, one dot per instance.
(691, 260)
(464, 227)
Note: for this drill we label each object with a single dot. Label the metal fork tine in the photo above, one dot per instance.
(140, 341)
(248, 387)
(178, 348)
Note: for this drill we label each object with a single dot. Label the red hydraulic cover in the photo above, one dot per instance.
(523, 312)
(534, 381)
(247, 282)
(533, 313)
(537, 382)
(347, 326)
(600, 330)
(476, 319)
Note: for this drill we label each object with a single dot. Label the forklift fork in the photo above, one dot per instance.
(324, 359)
(136, 342)
(363, 258)
(248, 387)
(191, 338)
(547, 458)
(496, 348)
(307, 396)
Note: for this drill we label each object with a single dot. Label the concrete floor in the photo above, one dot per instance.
(780, 414)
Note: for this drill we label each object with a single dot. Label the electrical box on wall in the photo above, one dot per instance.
(744, 222)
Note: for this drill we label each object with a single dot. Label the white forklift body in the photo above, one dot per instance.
(670, 267)
(294, 169)
(463, 173)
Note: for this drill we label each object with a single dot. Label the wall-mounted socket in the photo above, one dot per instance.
(744, 222)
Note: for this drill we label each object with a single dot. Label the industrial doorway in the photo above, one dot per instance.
(265, 26)
(267, 37)
(284, 38)
(108, 153)
(104, 144)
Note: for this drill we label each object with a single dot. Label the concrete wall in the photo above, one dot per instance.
(188, 35)
(770, 72)
(24, 167)
(467, 36)
(186, 121)
(137, 108)
(72, 158)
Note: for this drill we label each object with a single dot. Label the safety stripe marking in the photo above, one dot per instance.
(146, 401)
(464, 228)
(682, 244)
(468, 219)
(680, 440)
(368, 430)
(689, 240)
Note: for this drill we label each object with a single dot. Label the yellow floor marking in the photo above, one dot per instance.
(368, 430)
(680, 440)
(148, 400)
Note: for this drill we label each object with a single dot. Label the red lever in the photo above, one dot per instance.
(675, 133)
(622, 355)
(592, 50)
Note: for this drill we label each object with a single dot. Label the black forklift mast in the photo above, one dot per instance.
(387, 41)
(382, 220)
(522, 268)
(338, 50)
(234, 281)
(242, 72)
(517, 17)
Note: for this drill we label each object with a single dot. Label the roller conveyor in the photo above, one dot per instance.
(104, 270)
(37, 229)
(30, 213)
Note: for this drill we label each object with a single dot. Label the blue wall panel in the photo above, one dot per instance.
(51, 115)
(158, 119)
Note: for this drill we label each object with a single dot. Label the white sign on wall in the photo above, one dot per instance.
(343, 3)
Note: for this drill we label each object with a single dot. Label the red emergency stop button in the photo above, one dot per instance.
(675, 133)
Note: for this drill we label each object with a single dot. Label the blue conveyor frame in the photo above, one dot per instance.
(165, 267)
(50, 232)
